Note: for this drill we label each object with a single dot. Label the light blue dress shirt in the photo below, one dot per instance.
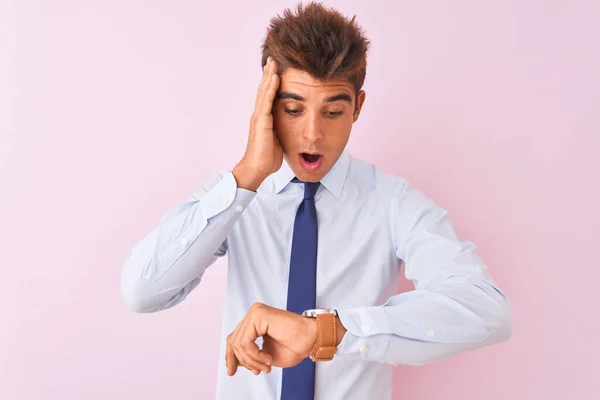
(370, 225)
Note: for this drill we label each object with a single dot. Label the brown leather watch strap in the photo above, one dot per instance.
(326, 338)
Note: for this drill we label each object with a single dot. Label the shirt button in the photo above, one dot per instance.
(239, 208)
(366, 328)
(184, 241)
(224, 200)
(364, 349)
(430, 332)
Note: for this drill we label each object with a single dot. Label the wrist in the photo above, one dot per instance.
(247, 177)
(313, 335)
(325, 333)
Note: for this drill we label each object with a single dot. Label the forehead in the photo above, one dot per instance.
(302, 83)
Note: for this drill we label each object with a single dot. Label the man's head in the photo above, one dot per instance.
(322, 59)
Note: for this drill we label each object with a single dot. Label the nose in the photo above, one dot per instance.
(312, 129)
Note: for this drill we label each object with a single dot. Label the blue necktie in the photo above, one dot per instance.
(298, 383)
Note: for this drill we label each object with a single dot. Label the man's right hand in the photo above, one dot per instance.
(264, 154)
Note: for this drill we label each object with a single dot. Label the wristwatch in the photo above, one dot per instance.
(326, 333)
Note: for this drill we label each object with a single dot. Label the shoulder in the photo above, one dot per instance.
(366, 173)
(396, 189)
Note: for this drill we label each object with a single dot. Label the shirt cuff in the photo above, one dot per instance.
(225, 195)
(368, 333)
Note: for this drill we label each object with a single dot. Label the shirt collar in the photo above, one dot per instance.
(333, 180)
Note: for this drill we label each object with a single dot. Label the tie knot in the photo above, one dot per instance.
(310, 189)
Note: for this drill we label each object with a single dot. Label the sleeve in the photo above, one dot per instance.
(168, 263)
(455, 306)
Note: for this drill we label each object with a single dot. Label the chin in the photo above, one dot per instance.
(304, 176)
(309, 178)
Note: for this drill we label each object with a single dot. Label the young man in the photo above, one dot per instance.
(315, 240)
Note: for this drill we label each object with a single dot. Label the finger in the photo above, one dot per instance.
(264, 356)
(243, 361)
(249, 350)
(270, 72)
(264, 80)
(238, 353)
(230, 360)
(266, 104)
(256, 358)
(261, 356)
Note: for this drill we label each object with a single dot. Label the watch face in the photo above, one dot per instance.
(315, 311)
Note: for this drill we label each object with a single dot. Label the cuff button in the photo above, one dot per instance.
(430, 332)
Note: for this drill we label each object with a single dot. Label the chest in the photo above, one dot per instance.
(356, 262)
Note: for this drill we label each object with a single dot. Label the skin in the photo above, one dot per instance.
(294, 113)
(306, 119)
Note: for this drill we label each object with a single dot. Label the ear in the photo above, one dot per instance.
(360, 100)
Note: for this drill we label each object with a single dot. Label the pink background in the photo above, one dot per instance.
(111, 112)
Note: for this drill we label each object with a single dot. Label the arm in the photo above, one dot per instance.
(168, 263)
(455, 307)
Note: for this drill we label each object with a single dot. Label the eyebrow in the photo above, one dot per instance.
(294, 96)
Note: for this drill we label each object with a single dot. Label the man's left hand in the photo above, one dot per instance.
(288, 338)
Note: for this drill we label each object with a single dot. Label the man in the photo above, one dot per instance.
(306, 226)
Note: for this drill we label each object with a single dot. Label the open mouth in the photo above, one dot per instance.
(311, 158)
(311, 163)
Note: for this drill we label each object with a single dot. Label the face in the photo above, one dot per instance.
(313, 120)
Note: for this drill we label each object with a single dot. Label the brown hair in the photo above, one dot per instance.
(319, 41)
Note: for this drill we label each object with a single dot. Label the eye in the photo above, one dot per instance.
(292, 111)
(334, 113)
